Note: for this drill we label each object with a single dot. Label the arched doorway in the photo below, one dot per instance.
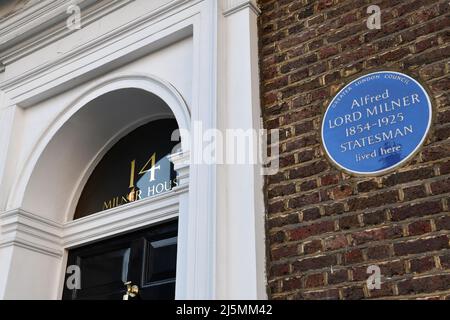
(58, 171)
(137, 167)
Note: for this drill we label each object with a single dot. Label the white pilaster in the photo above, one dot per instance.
(181, 166)
(6, 125)
(241, 246)
(31, 252)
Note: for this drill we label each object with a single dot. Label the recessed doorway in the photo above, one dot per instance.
(145, 259)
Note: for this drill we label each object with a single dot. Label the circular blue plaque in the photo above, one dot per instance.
(376, 122)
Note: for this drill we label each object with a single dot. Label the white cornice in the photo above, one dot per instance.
(181, 162)
(27, 230)
(34, 19)
(30, 231)
(121, 219)
(22, 85)
(233, 6)
(29, 42)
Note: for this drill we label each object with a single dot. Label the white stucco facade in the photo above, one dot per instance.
(198, 58)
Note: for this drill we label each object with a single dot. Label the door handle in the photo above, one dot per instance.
(132, 290)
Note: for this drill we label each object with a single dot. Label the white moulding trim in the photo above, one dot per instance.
(30, 231)
(15, 51)
(233, 6)
(93, 46)
(181, 161)
(121, 219)
(42, 15)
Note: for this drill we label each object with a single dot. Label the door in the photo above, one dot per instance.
(145, 258)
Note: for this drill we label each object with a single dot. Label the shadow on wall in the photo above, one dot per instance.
(9, 7)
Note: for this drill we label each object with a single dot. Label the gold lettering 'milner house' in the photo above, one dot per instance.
(133, 161)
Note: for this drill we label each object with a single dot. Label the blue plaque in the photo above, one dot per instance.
(376, 122)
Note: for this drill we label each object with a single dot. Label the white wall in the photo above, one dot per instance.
(206, 50)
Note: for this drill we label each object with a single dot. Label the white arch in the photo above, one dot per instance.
(149, 83)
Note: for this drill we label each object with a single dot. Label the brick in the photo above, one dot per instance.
(376, 234)
(375, 200)
(327, 294)
(421, 265)
(292, 283)
(341, 192)
(329, 179)
(282, 190)
(308, 170)
(378, 252)
(304, 200)
(308, 185)
(392, 268)
(300, 114)
(413, 193)
(283, 252)
(327, 52)
(416, 210)
(314, 263)
(440, 187)
(339, 276)
(304, 127)
(335, 208)
(445, 261)
(348, 222)
(277, 206)
(443, 117)
(367, 186)
(424, 284)
(283, 220)
(314, 246)
(443, 223)
(385, 290)
(435, 153)
(421, 245)
(286, 161)
(407, 176)
(298, 63)
(304, 232)
(374, 218)
(311, 214)
(277, 237)
(335, 242)
(279, 270)
(315, 280)
(275, 287)
(305, 155)
(442, 133)
(419, 227)
(353, 256)
(353, 293)
(301, 142)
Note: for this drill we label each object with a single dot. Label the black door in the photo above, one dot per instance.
(146, 258)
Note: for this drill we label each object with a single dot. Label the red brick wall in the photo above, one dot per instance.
(324, 227)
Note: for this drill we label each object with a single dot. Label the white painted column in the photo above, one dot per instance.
(9, 134)
(181, 166)
(30, 256)
(241, 244)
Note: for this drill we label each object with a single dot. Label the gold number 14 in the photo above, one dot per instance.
(153, 168)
